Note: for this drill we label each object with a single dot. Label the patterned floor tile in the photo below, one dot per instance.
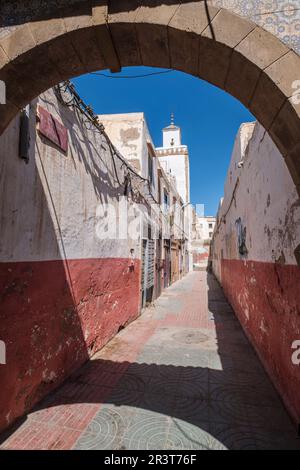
(181, 382)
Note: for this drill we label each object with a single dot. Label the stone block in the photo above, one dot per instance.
(99, 12)
(43, 31)
(125, 41)
(284, 72)
(266, 101)
(242, 78)
(193, 17)
(223, 29)
(3, 58)
(7, 113)
(184, 51)
(15, 86)
(153, 45)
(18, 42)
(214, 61)
(293, 163)
(261, 48)
(107, 48)
(285, 130)
(62, 53)
(29, 75)
(85, 43)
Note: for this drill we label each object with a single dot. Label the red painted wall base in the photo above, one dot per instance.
(53, 316)
(266, 299)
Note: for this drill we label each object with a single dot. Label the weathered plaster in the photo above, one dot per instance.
(262, 283)
(64, 292)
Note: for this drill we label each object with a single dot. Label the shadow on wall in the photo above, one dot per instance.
(25, 13)
(40, 322)
(225, 401)
(55, 311)
(89, 147)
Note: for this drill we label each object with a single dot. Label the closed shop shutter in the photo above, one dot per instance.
(151, 263)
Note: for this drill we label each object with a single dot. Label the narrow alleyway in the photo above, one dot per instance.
(182, 376)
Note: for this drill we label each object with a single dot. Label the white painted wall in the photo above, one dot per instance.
(49, 206)
(265, 199)
(130, 134)
(171, 136)
(177, 165)
(174, 158)
(204, 227)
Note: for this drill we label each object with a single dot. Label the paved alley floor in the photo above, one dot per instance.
(182, 376)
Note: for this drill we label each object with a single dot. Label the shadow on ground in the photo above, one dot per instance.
(187, 389)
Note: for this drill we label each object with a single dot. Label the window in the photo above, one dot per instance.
(210, 234)
(166, 200)
(150, 168)
(210, 225)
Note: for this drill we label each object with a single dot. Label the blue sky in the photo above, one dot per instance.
(209, 119)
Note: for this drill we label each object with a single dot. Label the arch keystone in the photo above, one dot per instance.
(99, 12)
(103, 35)
(121, 22)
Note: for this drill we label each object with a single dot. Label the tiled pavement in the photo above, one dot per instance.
(182, 376)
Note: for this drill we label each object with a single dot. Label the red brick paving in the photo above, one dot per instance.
(65, 415)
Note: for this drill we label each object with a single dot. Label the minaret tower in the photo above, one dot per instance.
(174, 158)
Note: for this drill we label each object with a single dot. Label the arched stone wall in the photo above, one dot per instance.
(51, 44)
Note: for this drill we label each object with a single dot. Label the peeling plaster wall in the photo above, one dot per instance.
(130, 134)
(126, 133)
(257, 231)
(64, 292)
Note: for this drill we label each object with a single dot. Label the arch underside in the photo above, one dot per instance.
(210, 43)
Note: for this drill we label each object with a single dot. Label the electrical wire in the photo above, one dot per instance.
(126, 77)
(87, 111)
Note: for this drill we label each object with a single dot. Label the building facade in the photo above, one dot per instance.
(82, 243)
(174, 159)
(203, 228)
(255, 255)
(164, 234)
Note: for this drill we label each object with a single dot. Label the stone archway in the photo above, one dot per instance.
(196, 37)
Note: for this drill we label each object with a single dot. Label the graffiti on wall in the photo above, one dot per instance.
(241, 237)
